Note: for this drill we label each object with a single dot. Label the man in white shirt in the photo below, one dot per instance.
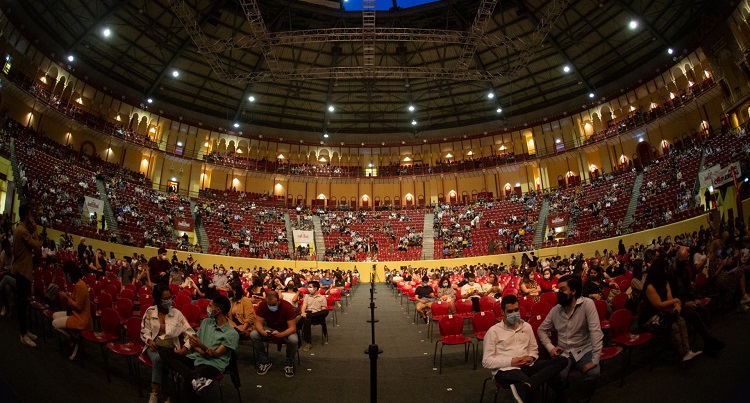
(579, 333)
(511, 352)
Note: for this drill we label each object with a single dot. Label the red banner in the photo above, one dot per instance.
(557, 220)
(183, 224)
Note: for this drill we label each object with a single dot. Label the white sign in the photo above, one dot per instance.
(94, 206)
(717, 176)
(303, 236)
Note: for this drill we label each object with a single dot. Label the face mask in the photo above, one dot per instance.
(546, 276)
(221, 272)
(425, 284)
(513, 318)
(209, 313)
(166, 304)
(563, 299)
(273, 308)
(445, 285)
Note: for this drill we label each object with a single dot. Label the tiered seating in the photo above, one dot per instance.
(57, 183)
(141, 210)
(664, 198)
(359, 236)
(243, 228)
(501, 221)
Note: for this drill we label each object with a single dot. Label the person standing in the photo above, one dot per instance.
(25, 244)
(158, 268)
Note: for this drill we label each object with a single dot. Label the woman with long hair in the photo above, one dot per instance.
(661, 312)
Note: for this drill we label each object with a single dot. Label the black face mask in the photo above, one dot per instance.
(563, 299)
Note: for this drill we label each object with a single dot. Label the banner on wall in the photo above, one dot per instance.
(717, 176)
(94, 206)
(305, 238)
(183, 224)
(557, 220)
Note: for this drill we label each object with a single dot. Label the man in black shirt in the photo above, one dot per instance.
(425, 295)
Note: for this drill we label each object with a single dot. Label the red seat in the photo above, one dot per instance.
(110, 332)
(181, 300)
(550, 298)
(438, 310)
(192, 314)
(601, 309)
(127, 294)
(540, 308)
(124, 308)
(620, 323)
(451, 334)
(498, 310)
(619, 301)
(486, 303)
(481, 322)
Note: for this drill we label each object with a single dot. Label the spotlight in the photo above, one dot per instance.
(633, 24)
(411, 108)
(566, 69)
(175, 74)
(150, 100)
(71, 58)
(670, 51)
(491, 95)
(499, 110)
(236, 125)
(591, 95)
(413, 122)
(251, 98)
(106, 32)
(325, 135)
(330, 108)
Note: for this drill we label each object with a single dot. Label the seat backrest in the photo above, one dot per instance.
(619, 301)
(104, 300)
(202, 303)
(464, 306)
(451, 325)
(549, 297)
(174, 289)
(130, 287)
(127, 294)
(624, 285)
(439, 308)
(510, 291)
(111, 289)
(482, 321)
(601, 309)
(134, 330)
(540, 308)
(498, 310)
(191, 312)
(486, 303)
(124, 307)
(110, 321)
(181, 300)
(535, 321)
(620, 322)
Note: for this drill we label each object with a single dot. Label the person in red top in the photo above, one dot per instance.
(548, 282)
(159, 268)
(275, 319)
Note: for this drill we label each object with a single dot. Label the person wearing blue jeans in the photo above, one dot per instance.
(579, 335)
(275, 321)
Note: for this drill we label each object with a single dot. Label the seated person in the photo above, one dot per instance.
(291, 294)
(529, 287)
(425, 295)
(473, 291)
(446, 293)
(242, 313)
(579, 335)
(549, 281)
(661, 311)
(257, 291)
(511, 352)
(493, 288)
(78, 304)
(205, 355)
(313, 311)
(161, 328)
(275, 320)
(693, 312)
(594, 286)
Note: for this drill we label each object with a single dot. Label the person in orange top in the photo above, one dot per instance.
(78, 304)
(25, 244)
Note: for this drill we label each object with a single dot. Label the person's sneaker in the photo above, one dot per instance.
(745, 299)
(201, 383)
(74, 353)
(692, 354)
(289, 371)
(153, 398)
(3, 312)
(32, 336)
(307, 347)
(263, 368)
(27, 341)
(519, 391)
